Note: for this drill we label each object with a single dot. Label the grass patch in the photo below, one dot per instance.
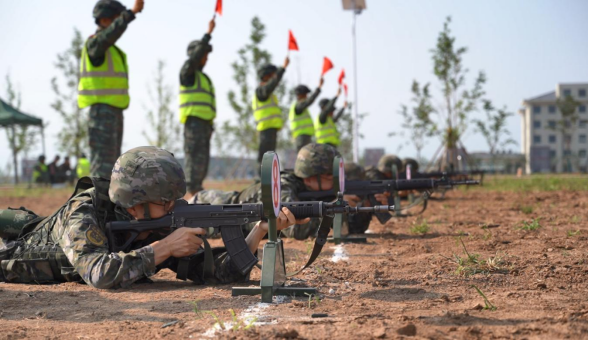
(575, 219)
(420, 228)
(531, 225)
(472, 263)
(236, 323)
(488, 304)
(528, 183)
(572, 233)
(527, 209)
(314, 300)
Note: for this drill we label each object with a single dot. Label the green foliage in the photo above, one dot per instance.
(532, 225)
(313, 301)
(240, 133)
(572, 233)
(494, 128)
(459, 102)
(163, 120)
(527, 209)
(488, 304)
(531, 183)
(73, 138)
(472, 263)
(566, 126)
(20, 138)
(417, 120)
(420, 228)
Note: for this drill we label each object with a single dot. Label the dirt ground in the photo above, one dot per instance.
(399, 285)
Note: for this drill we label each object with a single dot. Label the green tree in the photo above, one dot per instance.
(566, 126)
(240, 133)
(417, 119)
(163, 120)
(73, 138)
(459, 100)
(494, 128)
(20, 138)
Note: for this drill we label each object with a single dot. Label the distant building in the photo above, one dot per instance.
(372, 155)
(542, 145)
(504, 162)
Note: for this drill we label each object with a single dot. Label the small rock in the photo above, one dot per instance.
(331, 291)
(550, 250)
(541, 285)
(379, 333)
(477, 307)
(408, 330)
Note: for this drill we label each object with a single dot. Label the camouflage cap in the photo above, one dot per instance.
(107, 9)
(409, 161)
(194, 44)
(386, 163)
(353, 171)
(146, 174)
(315, 159)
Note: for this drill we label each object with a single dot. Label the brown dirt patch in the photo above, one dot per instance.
(398, 285)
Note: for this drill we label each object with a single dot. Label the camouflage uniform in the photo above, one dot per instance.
(75, 233)
(197, 132)
(384, 166)
(357, 223)
(105, 125)
(313, 159)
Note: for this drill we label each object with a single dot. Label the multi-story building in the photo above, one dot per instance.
(544, 144)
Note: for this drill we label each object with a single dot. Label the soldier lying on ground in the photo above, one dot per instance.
(71, 244)
(312, 172)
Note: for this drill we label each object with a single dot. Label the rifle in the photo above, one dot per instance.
(439, 174)
(363, 188)
(226, 219)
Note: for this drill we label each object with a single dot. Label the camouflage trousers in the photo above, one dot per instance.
(268, 139)
(197, 151)
(303, 140)
(105, 135)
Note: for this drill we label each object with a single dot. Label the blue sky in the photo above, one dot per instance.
(524, 46)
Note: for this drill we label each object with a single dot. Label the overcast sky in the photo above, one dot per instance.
(524, 46)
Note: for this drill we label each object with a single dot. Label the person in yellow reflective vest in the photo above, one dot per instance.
(325, 128)
(301, 122)
(41, 171)
(103, 84)
(83, 167)
(197, 111)
(265, 106)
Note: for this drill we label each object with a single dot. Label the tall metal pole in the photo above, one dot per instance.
(355, 123)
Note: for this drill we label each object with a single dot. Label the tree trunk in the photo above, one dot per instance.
(14, 158)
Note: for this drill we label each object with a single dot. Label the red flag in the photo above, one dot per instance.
(346, 89)
(327, 65)
(219, 7)
(341, 77)
(292, 42)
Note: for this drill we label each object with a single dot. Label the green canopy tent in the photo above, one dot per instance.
(10, 117)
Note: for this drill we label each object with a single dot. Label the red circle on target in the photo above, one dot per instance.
(342, 176)
(275, 184)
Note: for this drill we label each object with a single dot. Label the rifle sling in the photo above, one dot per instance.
(321, 239)
(184, 264)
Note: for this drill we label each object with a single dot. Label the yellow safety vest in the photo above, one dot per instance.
(107, 83)
(300, 124)
(267, 114)
(326, 133)
(83, 168)
(38, 171)
(198, 100)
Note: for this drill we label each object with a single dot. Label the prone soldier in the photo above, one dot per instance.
(71, 244)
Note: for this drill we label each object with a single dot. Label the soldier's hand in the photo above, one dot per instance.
(284, 220)
(184, 241)
(320, 82)
(138, 6)
(339, 91)
(352, 200)
(286, 62)
(211, 26)
(383, 198)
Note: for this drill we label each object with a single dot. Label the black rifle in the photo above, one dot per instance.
(437, 174)
(363, 188)
(226, 219)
